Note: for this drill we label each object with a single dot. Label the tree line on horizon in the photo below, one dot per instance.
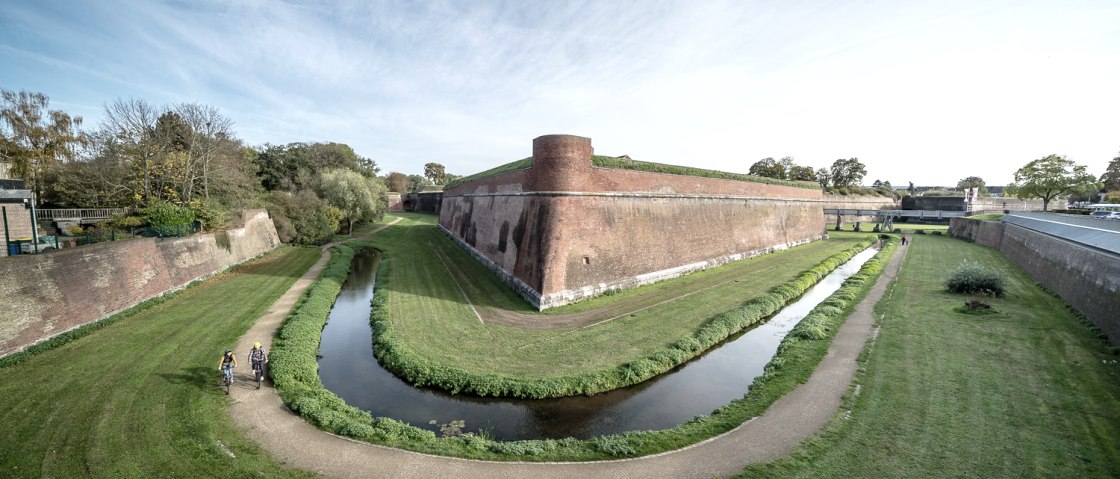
(1046, 178)
(187, 158)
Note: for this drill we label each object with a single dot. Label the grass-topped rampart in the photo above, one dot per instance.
(797, 357)
(451, 323)
(397, 354)
(624, 163)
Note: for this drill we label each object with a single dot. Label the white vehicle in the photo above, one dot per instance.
(1100, 215)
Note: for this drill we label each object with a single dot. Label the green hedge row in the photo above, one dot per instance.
(797, 357)
(396, 356)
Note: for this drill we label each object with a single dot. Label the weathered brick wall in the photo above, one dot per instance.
(19, 224)
(45, 295)
(1087, 279)
(394, 202)
(987, 233)
(565, 230)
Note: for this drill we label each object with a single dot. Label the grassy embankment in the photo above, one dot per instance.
(431, 320)
(1030, 391)
(139, 397)
(295, 374)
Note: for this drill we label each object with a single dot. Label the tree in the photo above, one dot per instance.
(397, 182)
(435, 173)
(1049, 177)
(358, 198)
(768, 168)
(1111, 177)
(36, 139)
(417, 183)
(848, 172)
(973, 182)
(824, 177)
(802, 173)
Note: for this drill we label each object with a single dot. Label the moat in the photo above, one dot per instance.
(348, 368)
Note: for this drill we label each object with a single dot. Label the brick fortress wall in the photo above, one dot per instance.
(48, 294)
(564, 230)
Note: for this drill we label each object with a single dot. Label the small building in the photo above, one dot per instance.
(16, 222)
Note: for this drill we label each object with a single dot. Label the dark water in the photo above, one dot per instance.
(348, 368)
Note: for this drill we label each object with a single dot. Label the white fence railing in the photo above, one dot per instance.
(79, 213)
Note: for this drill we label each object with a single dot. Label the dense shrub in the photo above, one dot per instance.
(210, 214)
(302, 218)
(971, 277)
(163, 214)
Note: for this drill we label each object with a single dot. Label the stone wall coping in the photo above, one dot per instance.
(636, 195)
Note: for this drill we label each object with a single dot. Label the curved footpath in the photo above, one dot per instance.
(795, 417)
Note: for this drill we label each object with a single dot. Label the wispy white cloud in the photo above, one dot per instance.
(921, 91)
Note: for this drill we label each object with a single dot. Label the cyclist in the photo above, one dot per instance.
(257, 357)
(226, 364)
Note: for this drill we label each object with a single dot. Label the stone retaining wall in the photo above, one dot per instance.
(48, 294)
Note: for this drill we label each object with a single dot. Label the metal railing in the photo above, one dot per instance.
(79, 213)
(938, 214)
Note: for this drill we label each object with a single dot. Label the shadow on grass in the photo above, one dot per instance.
(199, 377)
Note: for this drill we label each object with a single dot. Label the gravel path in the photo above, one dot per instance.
(795, 417)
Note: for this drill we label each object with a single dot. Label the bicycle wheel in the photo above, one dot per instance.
(227, 379)
(260, 375)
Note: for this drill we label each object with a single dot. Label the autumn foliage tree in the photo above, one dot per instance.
(34, 140)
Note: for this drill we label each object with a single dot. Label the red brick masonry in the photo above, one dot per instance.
(564, 230)
(48, 294)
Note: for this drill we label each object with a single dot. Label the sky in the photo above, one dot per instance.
(928, 92)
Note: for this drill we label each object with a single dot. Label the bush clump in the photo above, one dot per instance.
(971, 277)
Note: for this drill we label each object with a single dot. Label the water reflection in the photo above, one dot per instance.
(348, 368)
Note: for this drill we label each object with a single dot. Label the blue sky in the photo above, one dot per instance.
(922, 91)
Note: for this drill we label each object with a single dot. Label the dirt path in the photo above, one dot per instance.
(789, 421)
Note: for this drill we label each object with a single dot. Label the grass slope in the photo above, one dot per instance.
(140, 397)
(1030, 391)
(429, 314)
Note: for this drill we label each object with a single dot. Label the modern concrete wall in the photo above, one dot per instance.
(564, 230)
(1086, 278)
(48, 294)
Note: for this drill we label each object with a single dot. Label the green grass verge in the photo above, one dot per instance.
(668, 347)
(628, 164)
(429, 335)
(139, 396)
(987, 217)
(296, 378)
(1028, 391)
(497, 170)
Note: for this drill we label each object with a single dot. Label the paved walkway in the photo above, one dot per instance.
(795, 417)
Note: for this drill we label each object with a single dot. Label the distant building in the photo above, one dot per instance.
(15, 214)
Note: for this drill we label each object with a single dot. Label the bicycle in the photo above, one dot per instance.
(227, 377)
(258, 373)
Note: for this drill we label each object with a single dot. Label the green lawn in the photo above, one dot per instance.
(429, 313)
(140, 397)
(1028, 392)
